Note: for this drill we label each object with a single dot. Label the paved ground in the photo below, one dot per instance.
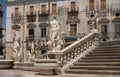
(18, 73)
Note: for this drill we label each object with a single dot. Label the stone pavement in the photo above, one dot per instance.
(19, 73)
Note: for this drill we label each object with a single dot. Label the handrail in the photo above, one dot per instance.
(78, 47)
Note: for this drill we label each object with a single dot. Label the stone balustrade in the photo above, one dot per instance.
(78, 47)
(75, 49)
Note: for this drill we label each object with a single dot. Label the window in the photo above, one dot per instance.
(16, 12)
(43, 9)
(104, 28)
(54, 7)
(91, 5)
(103, 4)
(73, 6)
(31, 34)
(73, 29)
(43, 32)
(31, 9)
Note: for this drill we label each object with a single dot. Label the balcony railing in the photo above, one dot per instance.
(35, 38)
(16, 18)
(31, 13)
(43, 13)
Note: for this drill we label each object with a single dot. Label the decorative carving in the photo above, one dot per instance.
(15, 27)
(103, 21)
(43, 25)
(31, 26)
(116, 20)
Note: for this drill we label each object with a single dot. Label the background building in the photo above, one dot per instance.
(2, 30)
(32, 17)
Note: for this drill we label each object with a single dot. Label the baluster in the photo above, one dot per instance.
(85, 45)
(76, 52)
(73, 53)
(81, 49)
(68, 57)
(65, 59)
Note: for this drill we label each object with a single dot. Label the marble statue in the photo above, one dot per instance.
(17, 45)
(95, 22)
(56, 40)
(31, 53)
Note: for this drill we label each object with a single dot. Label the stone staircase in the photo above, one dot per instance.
(104, 59)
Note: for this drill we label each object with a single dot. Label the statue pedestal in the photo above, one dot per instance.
(54, 55)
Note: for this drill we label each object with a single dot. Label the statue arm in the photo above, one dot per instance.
(57, 25)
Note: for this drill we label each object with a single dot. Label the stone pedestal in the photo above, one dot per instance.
(6, 64)
(46, 66)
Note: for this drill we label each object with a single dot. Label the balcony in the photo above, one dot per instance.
(37, 40)
(16, 18)
(31, 13)
(43, 16)
(31, 16)
(73, 11)
(115, 12)
(31, 38)
(102, 13)
(73, 19)
(43, 13)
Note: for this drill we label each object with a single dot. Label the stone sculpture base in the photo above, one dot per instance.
(26, 66)
(6, 64)
(47, 66)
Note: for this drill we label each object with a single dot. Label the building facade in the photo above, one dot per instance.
(31, 18)
(2, 30)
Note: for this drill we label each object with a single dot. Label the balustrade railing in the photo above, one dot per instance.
(75, 49)
(78, 47)
(110, 36)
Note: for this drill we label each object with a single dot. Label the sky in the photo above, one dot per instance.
(3, 2)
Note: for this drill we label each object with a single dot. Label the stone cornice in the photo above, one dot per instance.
(27, 2)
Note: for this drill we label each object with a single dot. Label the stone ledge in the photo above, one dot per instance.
(6, 64)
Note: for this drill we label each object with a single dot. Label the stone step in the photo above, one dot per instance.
(97, 64)
(110, 43)
(99, 60)
(98, 52)
(105, 72)
(102, 57)
(113, 46)
(108, 48)
(105, 59)
(96, 67)
(105, 54)
(102, 49)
